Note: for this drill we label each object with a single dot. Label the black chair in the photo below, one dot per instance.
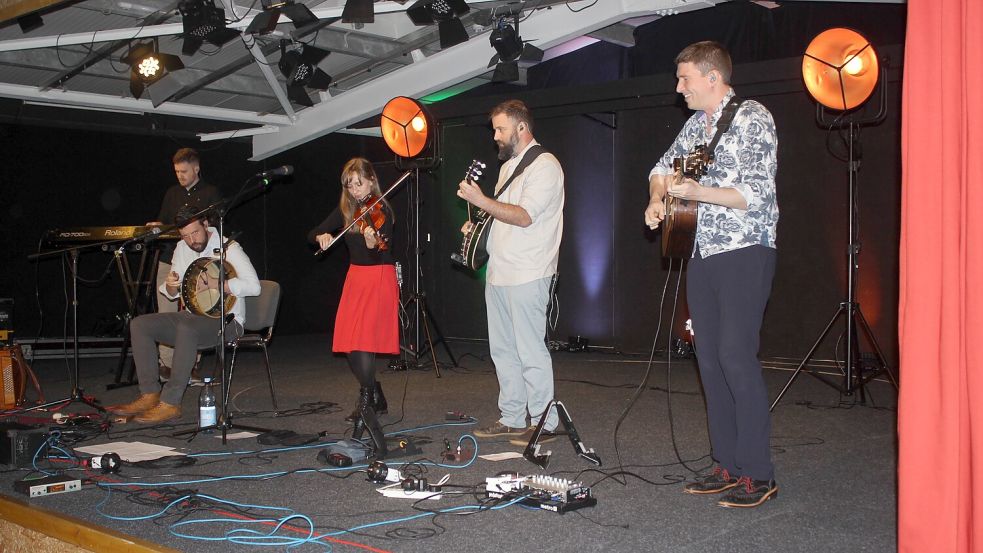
(261, 314)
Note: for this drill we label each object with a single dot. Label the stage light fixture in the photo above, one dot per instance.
(511, 50)
(148, 65)
(264, 23)
(446, 14)
(840, 69)
(203, 22)
(406, 127)
(358, 11)
(299, 68)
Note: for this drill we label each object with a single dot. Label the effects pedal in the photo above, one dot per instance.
(544, 492)
(49, 485)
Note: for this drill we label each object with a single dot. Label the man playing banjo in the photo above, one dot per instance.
(192, 328)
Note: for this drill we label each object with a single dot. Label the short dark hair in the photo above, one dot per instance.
(707, 56)
(515, 110)
(187, 215)
(186, 155)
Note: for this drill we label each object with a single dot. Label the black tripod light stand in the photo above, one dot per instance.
(418, 345)
(412, 134)
(853, 379)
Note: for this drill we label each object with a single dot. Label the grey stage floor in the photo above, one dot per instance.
(836, 464)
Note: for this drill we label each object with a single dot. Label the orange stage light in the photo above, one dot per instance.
(406, 126)
(840, 69)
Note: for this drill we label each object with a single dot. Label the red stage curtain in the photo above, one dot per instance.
(940, 413)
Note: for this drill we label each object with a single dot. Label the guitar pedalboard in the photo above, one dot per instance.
(543, 492)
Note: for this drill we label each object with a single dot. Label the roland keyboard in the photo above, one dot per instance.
(91, 235)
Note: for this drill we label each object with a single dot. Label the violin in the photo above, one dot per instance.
(375, 217)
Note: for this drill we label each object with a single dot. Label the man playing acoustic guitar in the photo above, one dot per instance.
(731, 266)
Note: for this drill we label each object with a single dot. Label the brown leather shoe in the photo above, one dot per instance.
(163, 412)
(139, 405)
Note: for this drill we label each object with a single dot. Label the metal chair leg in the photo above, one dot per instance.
(269, 374)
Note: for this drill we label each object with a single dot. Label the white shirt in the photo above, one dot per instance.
(520, 255)
(246, 282)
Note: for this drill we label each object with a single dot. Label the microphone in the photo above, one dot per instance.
(278, 172)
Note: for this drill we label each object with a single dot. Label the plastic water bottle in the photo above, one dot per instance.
(207, 412)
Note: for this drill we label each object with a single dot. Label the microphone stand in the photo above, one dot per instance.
(221, 208)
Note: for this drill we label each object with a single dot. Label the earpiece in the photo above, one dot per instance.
(713, 78)
(522, 127)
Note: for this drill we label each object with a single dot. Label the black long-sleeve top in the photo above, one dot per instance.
(199, 197)
(359, 253)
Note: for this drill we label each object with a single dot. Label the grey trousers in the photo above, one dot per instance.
(516, 337)
(187, 332)
(165, 305)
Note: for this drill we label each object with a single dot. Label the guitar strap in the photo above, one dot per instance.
(527, 159)
(723, 124)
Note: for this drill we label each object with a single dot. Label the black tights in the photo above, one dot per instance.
(362, 364)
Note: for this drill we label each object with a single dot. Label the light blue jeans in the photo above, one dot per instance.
(516, 337)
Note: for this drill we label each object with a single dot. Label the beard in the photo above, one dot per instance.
(507, 150)
(198, 246)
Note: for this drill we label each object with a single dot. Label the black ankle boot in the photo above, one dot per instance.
(364, 402)
(378, 402)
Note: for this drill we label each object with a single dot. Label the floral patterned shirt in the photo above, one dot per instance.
(746, 159)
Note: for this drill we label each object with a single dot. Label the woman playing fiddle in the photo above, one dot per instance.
(368, 319)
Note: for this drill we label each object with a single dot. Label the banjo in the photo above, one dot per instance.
(473, 252)
(197, 292)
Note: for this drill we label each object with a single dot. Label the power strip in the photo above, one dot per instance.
(49, 485)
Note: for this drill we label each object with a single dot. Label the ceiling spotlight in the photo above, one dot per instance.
(203, 22)
(510, 50)
(264, 23)
(148, 65)
(358, 11)
(446, 14)
(299, 68)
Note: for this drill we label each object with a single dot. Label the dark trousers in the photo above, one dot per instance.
(727, 294)
(183, 330)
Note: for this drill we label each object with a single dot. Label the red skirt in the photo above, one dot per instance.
(368, 314)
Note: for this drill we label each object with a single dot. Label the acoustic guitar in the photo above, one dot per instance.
(679, 226)
(474, 254)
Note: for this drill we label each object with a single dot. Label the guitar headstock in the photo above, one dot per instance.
(694, 164)
(475, 170)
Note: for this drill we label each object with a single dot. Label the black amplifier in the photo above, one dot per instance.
(19, 443)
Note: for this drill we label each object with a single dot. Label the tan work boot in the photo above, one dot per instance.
(139, 405)
(162, 412)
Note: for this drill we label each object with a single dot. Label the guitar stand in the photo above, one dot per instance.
(532, 449)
